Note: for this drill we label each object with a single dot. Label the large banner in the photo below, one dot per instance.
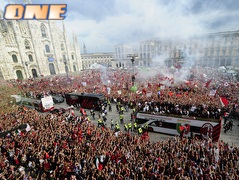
(47, 102)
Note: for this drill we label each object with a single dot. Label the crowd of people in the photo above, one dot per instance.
(59, 146)
(186, 95)
(66, 146)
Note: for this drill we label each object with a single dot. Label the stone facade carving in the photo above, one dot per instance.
(36, 47)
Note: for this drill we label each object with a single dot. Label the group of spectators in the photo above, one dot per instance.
(61, 146)
(191, 96)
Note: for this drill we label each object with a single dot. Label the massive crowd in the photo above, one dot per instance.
(57, 146)
(60, 146)
(191, 97)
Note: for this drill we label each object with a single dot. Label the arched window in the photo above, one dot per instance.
(19, 74)
(62, 47)
(52, 69)
(64, 57)
(74, 67)
(216, 63)
(30, 58)
(229, 62)
(34, 73)
(14, 58)
(43, 30)
(66, 69)
(27, 44)
(222, 62)
(47, 48)
(72, 57)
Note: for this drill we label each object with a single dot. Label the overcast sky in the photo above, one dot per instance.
(101, 24)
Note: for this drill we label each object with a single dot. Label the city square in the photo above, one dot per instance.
(97, 104)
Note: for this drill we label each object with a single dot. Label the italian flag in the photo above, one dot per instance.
(98, 164)
(18, 132)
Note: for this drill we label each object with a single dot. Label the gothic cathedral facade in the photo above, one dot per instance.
(34, 48)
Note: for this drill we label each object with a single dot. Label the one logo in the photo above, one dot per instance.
(35, 11)
(206, 130)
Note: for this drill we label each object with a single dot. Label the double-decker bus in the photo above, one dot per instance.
(173, 125)
(85, 100)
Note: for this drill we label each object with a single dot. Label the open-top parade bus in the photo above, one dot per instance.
(173, 125)
(85, 100)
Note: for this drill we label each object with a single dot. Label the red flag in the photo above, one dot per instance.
(224, 101)
(207, 83)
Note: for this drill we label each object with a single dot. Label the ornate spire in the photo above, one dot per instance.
(76, 41)
(73, 37)
(84, 49)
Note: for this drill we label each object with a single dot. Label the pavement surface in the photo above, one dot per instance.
(231, 137)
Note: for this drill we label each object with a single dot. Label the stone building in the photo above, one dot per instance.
(122, 55)
(207, 50)
(31, 48)
(91, 60)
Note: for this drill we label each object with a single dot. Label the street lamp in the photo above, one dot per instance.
(132, 59)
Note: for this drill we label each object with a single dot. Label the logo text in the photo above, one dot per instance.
(35, 11)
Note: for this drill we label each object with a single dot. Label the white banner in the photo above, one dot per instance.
(84, 83)
(212, 92)
(47, 102)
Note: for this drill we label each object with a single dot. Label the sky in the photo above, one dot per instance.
(102, 24)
